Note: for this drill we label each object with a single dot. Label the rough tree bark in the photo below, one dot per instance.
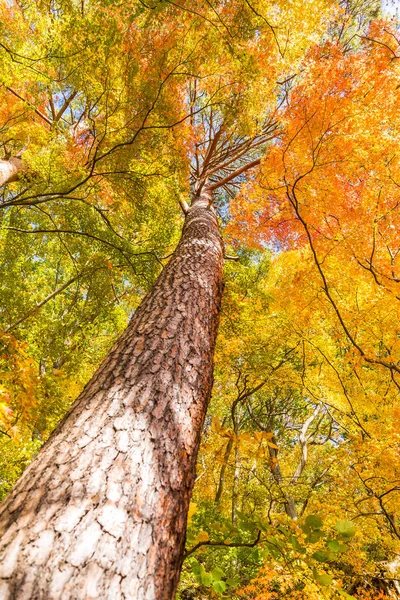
(10, 170)
(101, 512)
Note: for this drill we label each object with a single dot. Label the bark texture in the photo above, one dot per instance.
(10, 170)
(101, 512)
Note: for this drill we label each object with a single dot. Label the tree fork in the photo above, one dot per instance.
(10, 170)
(101, 511)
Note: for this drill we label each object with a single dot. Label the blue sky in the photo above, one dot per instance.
(391, 7)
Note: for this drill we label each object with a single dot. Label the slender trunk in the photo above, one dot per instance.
(290, 505)
(227, 454)
(101, 512)
(302, 462)
(235, 486)
(304, 438)
(10, 170)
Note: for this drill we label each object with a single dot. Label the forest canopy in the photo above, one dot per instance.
(280, 119)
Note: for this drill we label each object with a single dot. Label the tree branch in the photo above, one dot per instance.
(223, 544)
(235, 174)
(40, 114)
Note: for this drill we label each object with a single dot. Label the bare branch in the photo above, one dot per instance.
(223, 544)
(40, 114)
(235, 174)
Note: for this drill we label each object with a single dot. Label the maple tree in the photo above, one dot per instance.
(278, 122)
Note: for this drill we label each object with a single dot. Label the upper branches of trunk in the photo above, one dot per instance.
(225, 156)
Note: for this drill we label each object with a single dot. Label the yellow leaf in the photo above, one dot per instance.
(202, 537)
(191, 511)
(271, 445)
(216, 425)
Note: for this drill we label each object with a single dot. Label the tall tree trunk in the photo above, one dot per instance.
(10, 170)
(101, 512)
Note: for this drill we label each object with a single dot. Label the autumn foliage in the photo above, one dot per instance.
(290, 112)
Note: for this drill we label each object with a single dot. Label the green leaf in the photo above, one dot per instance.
(314, 537)
(345, 528)
(313, 522)
(197, 569)
(282, 529)
(247, 526)
(275, 541)
(322, 578)
(336, 546)
(321, 556)
(325, 579)
(217, 574)
(296, 544)
(206, 579)
(219, 586)
(333, 545)
(263, 525)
